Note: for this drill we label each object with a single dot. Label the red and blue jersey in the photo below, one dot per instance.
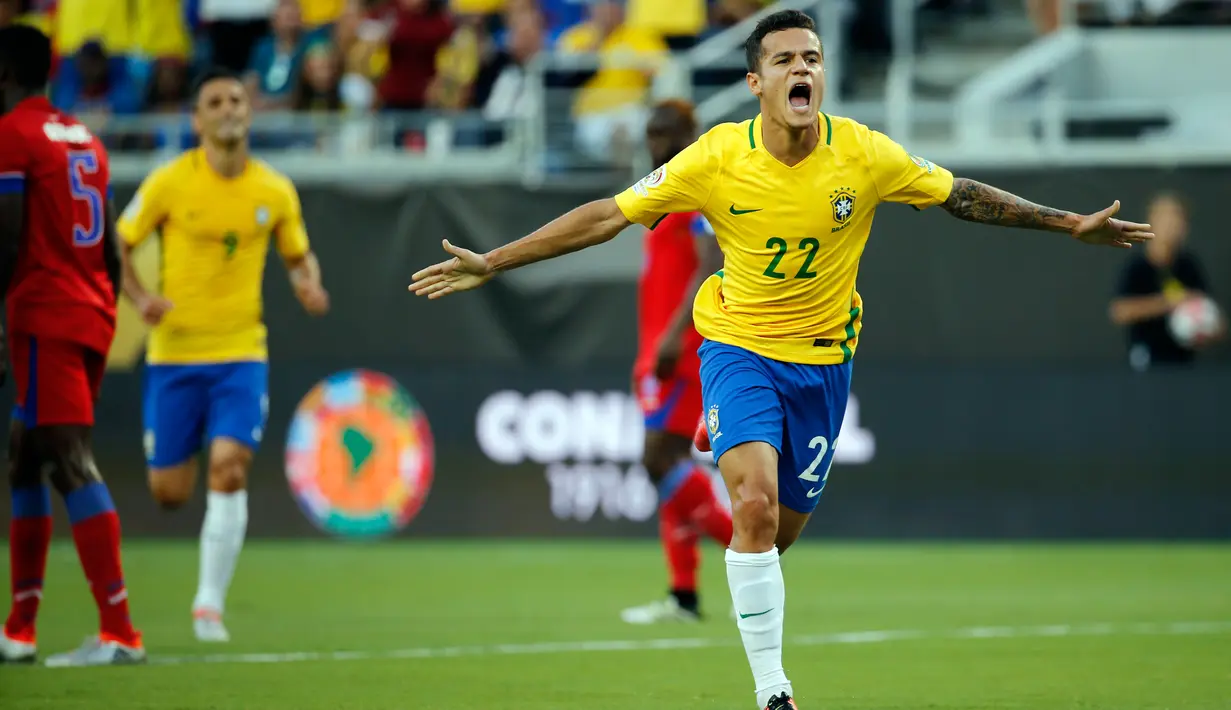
(668, 269)
(60, 288)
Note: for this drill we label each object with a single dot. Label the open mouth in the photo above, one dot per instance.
(800, 96)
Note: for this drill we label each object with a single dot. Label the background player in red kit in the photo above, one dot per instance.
(680, 252)
(59, 271)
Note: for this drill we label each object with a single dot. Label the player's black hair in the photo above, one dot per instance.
(777, 22)
(211, 74)
(26, 52)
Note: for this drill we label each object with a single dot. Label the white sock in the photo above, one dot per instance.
(759, 596)
(222, 537)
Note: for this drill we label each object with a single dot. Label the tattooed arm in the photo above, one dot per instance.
(975, 202)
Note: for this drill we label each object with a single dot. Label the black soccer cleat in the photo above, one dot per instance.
(781, 701)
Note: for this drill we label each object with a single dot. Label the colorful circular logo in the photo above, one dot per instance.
(359, 455)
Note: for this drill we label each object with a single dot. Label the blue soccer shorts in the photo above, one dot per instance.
(797, 409)
(186, 406)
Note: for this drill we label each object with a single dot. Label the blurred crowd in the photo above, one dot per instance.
(365, 57)
(126, 57)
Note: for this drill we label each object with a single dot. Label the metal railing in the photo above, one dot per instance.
(376, 147)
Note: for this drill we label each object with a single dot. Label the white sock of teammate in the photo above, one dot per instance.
(759, 596)
(222, 537)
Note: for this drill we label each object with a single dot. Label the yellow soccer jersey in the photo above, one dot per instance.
(791, 237)
(215, 237)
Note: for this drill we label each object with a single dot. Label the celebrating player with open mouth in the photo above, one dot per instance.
(790, 195)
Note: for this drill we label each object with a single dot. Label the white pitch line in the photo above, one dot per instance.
(849, 637)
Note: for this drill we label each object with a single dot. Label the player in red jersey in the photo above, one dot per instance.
(680, 252)
(60, 272)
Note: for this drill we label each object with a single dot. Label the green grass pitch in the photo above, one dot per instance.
(511, 625)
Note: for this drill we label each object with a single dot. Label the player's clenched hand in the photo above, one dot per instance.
(1102, 228)
(314, 299)
(466, 270)
(669, 351)
(153, 309)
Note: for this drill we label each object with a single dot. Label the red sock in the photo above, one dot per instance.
(29, 538)
(694, 502)
(96, 531)
(680, 546)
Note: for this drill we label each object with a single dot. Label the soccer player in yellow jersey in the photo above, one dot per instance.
(790, 195)
(206, 379)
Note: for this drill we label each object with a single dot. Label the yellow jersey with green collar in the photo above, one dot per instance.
(791, 237)
(215, 235)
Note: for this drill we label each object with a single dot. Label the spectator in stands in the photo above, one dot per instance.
(319, 15)
(415, 30)
(167, 90)
(94, 86)
(159, 29)
(360, 42)
(106, 22)
(560, 15)
(457, 65)
(1153, 283)
(476, 7)
(317, 85)
(234, 27)
(167, 95)
(500, 90)
(610, 107)
(276, 59)
(678, 22)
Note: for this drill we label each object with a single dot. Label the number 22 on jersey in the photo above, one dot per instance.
(809, 245)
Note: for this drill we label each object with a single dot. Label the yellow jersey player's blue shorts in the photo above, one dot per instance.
(797, 409)
(187, 406)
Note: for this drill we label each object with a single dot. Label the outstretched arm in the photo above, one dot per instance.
(974, 201)
(586, 226)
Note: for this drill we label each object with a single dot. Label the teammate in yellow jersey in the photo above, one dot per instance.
(206, 378)
(790, 195)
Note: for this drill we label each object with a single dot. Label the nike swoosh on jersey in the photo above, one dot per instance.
(812, 492)
(740, 212)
